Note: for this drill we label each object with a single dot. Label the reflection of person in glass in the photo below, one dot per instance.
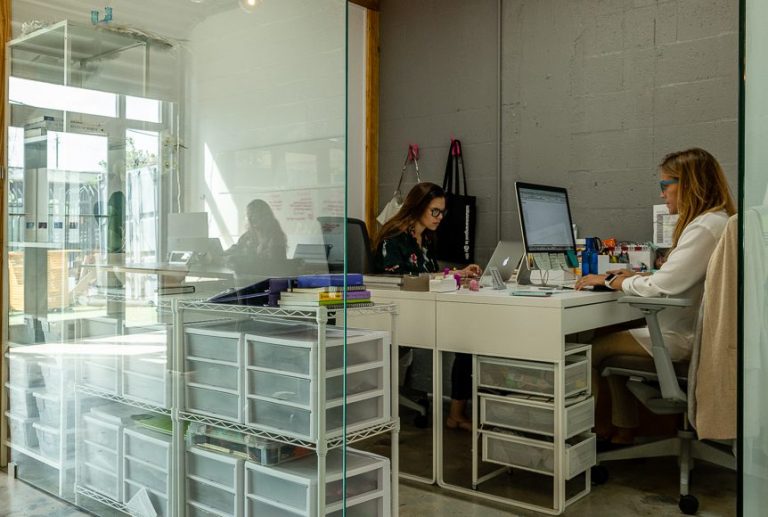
(263, 245)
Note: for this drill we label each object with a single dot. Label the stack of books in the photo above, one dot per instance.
(327, 291)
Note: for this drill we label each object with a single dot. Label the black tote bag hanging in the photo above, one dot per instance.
(456, 233)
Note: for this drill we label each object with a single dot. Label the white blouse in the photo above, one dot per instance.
(681, 276)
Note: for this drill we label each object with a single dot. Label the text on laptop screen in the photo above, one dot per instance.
(546, 219)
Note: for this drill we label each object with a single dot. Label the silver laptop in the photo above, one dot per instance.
(505, 258)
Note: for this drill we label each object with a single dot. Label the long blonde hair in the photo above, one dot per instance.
(702, 186)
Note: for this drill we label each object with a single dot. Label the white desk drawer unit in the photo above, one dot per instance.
(536, 455)
(146, 465)
(290, 489)
(532, 377)
(214, 484)
(145, 378)
(534, 416)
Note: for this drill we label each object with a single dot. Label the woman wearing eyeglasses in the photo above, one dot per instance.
(694, 187)
(406, 245)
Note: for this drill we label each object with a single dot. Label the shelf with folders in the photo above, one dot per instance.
(278, 376)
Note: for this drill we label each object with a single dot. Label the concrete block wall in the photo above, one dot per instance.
(594, 94)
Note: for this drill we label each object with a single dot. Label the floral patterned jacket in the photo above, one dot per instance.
(402, 255)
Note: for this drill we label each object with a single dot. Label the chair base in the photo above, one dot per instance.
(685, 446)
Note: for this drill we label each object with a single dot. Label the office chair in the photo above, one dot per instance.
(359, 256)
(666, 399)
(360, 260)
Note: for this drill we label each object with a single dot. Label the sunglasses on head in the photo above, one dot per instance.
(663, 184)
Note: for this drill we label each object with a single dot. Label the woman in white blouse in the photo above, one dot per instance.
(694, 187)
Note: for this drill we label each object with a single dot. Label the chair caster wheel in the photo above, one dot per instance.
(599, 474)
(421, 421)
(688, 504)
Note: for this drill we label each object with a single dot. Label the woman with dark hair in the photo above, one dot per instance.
(694, 187)
(405, 245)
(262, 248)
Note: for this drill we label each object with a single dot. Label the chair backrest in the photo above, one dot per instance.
(359, 257)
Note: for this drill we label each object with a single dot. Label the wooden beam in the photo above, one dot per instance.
(373, 5)
(372, 120)
(5, 36)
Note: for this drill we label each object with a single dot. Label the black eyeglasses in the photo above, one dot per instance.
(436, 212)
(663, 184)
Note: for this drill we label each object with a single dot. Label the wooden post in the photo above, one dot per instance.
(372, 120)
(5, 36)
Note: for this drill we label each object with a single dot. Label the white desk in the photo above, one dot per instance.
(493, 323)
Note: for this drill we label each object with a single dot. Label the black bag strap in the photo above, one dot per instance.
(454, 170)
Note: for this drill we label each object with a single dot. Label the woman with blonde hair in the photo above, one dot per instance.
(694, 187)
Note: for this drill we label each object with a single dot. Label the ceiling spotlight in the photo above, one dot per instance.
(250, 5)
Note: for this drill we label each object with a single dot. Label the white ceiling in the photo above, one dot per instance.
(170, 18)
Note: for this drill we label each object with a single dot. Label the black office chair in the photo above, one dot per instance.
(665, 387)
(360, 260)
(359, 256)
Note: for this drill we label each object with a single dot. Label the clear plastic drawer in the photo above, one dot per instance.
(50, 441)
(22, 432)
(149, 447)
(49, 409)
(159, 501)
(101, 433)
(213, 344)
(534, 416)
(213, 497)
(141, 473)
(213, 402)
(538, 456)
(24, 370)
(100, 456)
(148, 389)
(298, 390)
(150, 365)
(99, 480)
(257, 508)
(376, 507)
(99, 376)
(532, 377)
(21, 401)
(213, 374)
(220, 469)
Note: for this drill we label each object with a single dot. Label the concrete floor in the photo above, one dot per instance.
(636, 488)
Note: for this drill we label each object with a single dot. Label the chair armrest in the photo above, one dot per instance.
(661, 303)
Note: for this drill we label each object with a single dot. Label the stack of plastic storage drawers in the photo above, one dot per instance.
(288, 489)
(518, 429)
(24, 378)
(264, 374)
(137, 370)
(146, 464)
(100, 452)
(42, 406)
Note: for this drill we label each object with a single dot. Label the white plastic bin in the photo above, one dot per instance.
(216, 374)
(538, 456)
(100, 376)
(155, 391)
(159, 501)
(21, 401)
(149, 447)
(50, 441)
(206, 400)
(532, 377)
(376, 507)
(293, 486)
(49, 409)
(101, 432)
(146, 464)
(53, 373)
(22, 432)
(99, 480)
(24, 370)
(214, 482)
(533, 416)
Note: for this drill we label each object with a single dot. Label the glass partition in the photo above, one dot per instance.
(176, 202)
(754, 212)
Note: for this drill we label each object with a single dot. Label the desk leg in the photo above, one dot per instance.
(438, 410)
(559, 441)
(475, 420)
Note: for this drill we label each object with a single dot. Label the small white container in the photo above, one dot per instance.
(532, 377)
(24, 370)
(100, 376)
(147, 389)
(22, 431)
(291, 488)
(50, 441)
(146, 464)
(206, 400)
(21, 401)
(538, 456)
(533, 416)
(99, 480)
(49, 409)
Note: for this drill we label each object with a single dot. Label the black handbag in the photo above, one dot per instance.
(456, 233)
